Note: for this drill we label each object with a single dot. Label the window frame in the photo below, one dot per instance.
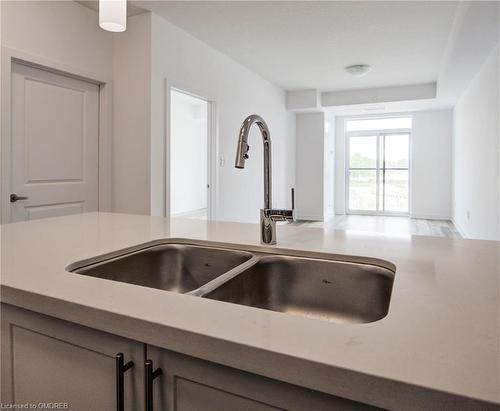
(378, 133)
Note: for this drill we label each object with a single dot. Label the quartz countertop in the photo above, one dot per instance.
(438, 348)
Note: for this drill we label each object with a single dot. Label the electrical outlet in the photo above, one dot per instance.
(468, 215)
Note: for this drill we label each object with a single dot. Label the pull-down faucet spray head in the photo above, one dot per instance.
(242, 152)
(243, 147)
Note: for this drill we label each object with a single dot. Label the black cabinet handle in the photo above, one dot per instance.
(150, 375)
(121, 368)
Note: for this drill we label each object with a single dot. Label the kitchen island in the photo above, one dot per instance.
(438, 347)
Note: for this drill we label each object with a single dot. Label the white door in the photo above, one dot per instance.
(55, 136)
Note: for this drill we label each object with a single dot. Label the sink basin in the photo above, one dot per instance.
(333, 288)
(174, 267)
(335, 291)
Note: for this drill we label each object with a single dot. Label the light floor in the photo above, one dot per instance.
(200, 214)
(387, 225)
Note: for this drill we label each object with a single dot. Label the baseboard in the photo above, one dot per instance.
(309, 218)
(431, 217)
(328, 217)
(459, 229)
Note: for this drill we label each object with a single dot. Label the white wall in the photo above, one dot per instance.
(310, 148)
(132, 116)
(476, 155)
(473, 36)
(388, 94)
(188, 142)
(191, 65)
(61, 31)
(68, 33)
(63, 35)
(329, 168)
(340, 153)
(430, 164)
(1, 110)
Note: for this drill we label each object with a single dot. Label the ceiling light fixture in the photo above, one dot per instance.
(358, 70)
(113, 15)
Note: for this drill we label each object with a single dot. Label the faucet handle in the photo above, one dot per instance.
(278, 214)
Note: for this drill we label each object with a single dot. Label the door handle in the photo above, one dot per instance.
(15, 197)
(149, 376)
(121, 368)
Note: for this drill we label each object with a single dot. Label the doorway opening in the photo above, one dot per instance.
(190, 181)
(378, 166)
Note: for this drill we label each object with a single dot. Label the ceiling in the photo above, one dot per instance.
(307, 44)
(132, 10)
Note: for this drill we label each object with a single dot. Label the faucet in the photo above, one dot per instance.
(268, 215)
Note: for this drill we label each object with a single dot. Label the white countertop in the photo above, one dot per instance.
(438, 346)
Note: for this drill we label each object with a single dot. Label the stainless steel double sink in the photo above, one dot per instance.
(330, 287)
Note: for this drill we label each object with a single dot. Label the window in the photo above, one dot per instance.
(378, 165)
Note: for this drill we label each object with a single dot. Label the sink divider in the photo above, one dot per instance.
(228, 275)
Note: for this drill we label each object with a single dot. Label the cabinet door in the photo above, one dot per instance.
(191, 384)
(46, 360)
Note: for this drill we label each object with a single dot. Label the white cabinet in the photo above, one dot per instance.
(46, 360)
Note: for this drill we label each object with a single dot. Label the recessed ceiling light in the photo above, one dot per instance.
(358, 70)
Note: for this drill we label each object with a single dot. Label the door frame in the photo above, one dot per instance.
(10, 56)
(212, 147)
(376, 133)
